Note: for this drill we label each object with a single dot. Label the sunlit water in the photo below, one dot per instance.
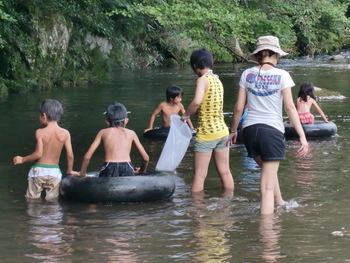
(213, 227)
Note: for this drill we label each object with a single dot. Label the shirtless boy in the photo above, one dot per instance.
(173, 105)
(50, 140)
(117, 141)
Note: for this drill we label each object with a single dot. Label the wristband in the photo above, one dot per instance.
(232, 131)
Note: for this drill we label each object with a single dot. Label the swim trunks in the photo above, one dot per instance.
(110, 169)
(306, 117)
(43, 177)
(38, 184)
(39, 169)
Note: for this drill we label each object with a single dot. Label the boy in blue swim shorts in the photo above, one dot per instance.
(50, 140)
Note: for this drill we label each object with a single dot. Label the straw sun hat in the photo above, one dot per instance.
(270, 43)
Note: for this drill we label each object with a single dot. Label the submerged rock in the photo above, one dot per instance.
(326, 94)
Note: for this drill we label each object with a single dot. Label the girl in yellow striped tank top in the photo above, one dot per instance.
(212, 132)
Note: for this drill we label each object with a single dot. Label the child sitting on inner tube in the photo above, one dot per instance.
(172, 105)
(117, 141)
(306, 99)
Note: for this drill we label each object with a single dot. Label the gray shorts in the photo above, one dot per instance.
(208, 147)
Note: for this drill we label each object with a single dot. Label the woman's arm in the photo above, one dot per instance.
(182, 110)
(237, 114)
(201, 89)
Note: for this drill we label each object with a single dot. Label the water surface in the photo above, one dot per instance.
(213, 227)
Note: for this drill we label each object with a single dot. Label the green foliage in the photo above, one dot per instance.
(51, 43)
(314, 26)
(44, 44)
(4, 16)
(193, 24)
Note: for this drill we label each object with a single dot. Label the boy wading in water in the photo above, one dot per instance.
(46, 174)
(117, 141)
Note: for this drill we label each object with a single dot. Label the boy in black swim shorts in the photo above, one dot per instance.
(117, 141)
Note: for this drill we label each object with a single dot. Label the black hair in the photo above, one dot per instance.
(201, 58)
(306, 89)
(116, 114)
(262, 54)
(52, 108)
(172, 92)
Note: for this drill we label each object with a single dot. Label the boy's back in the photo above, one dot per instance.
(52, 139)
(117, 143)
(45, 174)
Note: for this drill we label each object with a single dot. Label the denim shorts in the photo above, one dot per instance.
(264, 141)
(208, 147)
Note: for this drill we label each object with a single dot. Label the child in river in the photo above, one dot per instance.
(50, 140)
(306, 99)
(172, 105)
(212, 131)
(117, 141)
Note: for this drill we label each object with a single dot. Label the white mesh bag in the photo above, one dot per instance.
(175, 145)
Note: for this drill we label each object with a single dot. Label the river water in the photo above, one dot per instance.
(213, 227)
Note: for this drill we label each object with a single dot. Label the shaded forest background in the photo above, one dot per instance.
(44, 44)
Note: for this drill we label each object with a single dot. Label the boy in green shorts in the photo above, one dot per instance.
(50, 140)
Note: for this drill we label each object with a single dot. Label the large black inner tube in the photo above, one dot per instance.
(157, 133)
(149, 187)
(160, 133)
(316, 130)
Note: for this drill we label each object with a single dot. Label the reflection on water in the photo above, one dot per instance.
(270, 234)
(212, 219)
(120, 250)
(47, 233)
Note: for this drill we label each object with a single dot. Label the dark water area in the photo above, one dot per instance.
(213, 227)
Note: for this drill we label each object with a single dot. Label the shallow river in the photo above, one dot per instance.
(214, 227)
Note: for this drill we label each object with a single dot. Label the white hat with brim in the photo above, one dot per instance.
(270, 43)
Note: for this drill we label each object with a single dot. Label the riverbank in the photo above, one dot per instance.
(49, 44)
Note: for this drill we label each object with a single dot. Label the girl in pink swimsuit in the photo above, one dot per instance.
(306, 99)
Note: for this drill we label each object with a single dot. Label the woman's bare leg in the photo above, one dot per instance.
(201, 164)
(277, 194)
(268, 183)
(221, 159)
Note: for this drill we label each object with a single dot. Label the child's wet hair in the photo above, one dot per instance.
(306, 89)
(172, 92)
(52, 108)
(116, 114)
(201, 58)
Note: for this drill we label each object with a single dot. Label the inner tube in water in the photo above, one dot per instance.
(152, 186)
(160, 133)
(317, 130)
